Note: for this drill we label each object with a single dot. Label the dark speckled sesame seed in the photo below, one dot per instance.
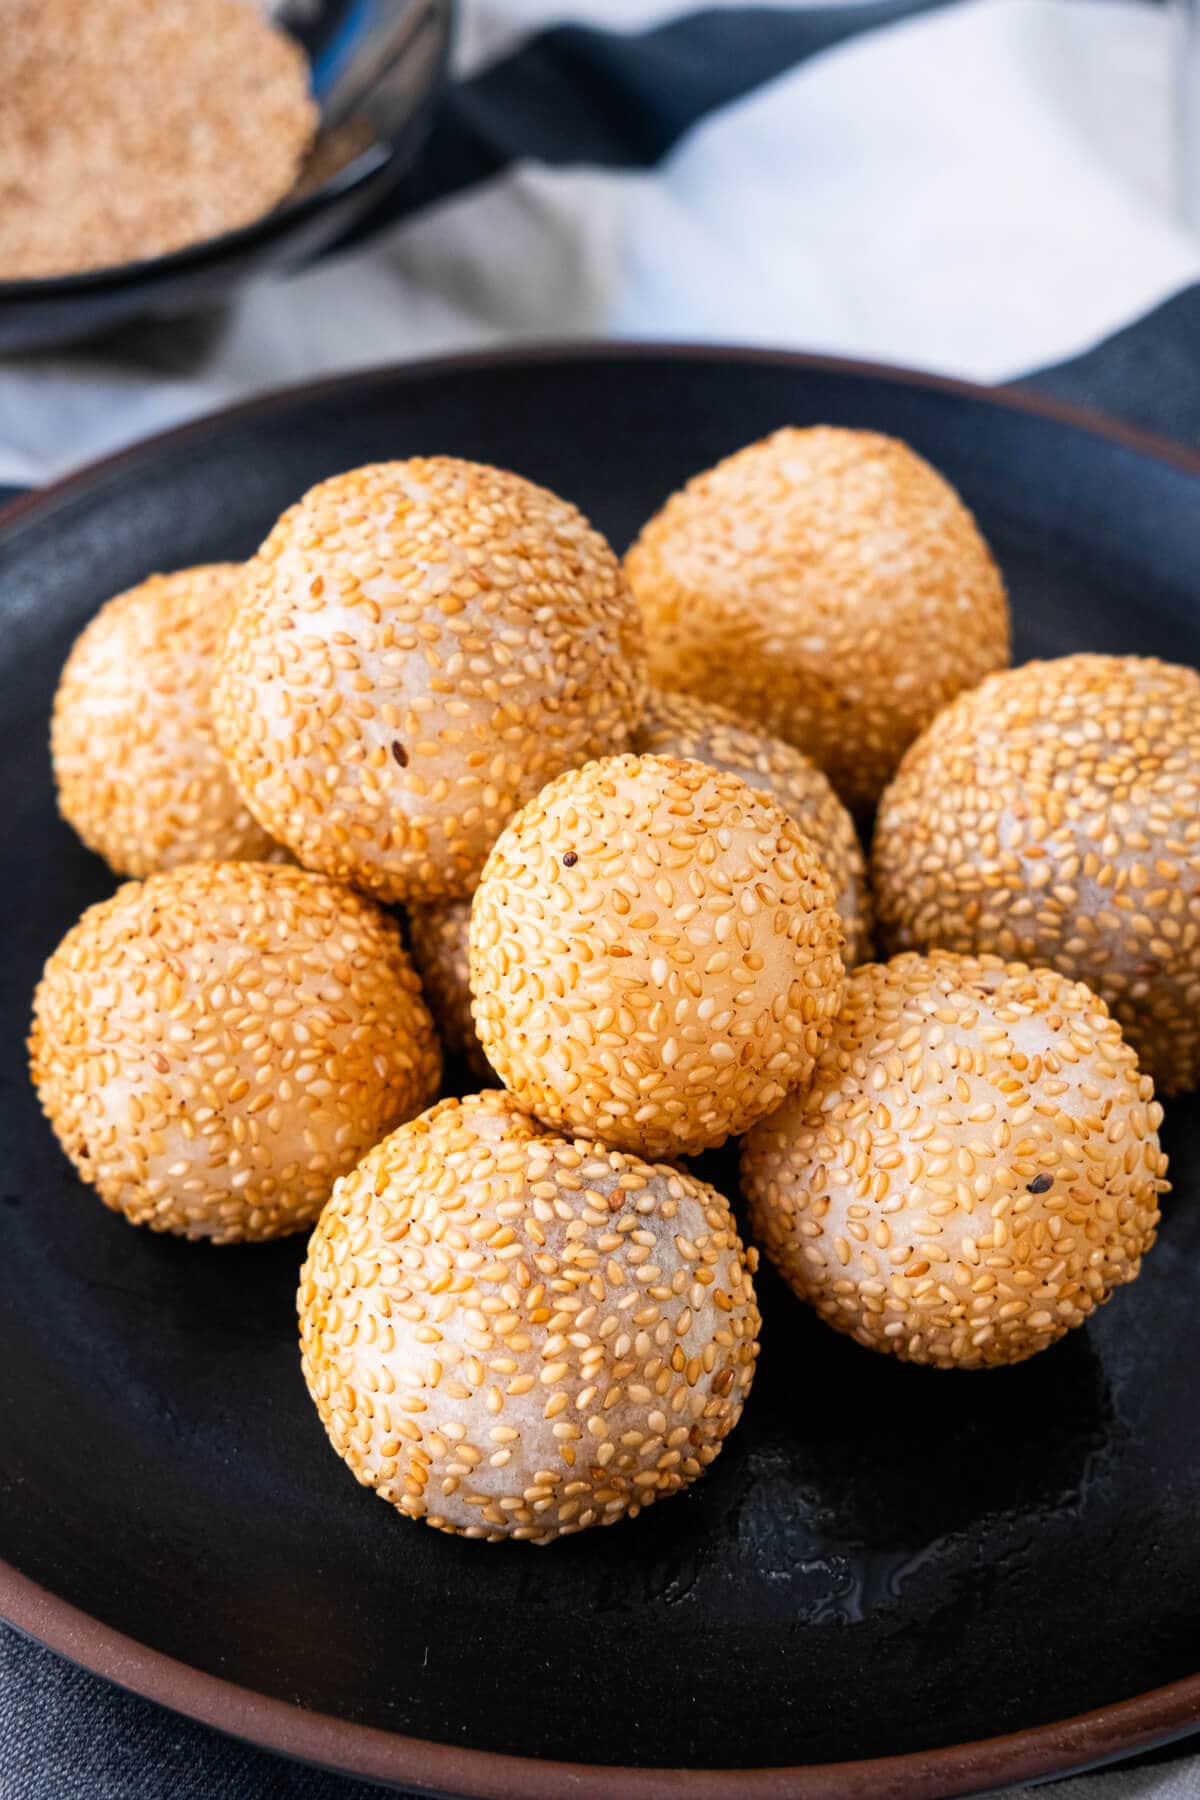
(901, 1193)
(498, 1350)
(668, 994)
(456, 610)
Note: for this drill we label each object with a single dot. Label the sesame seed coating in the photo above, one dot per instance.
(655, 955)
(136, 763)
(440, 938)
(424, 645)
(215, 1045)
(974, 1168)
(694, 730)
(681, 725)
(509, 1335)
(1054, 815)
(829, 584)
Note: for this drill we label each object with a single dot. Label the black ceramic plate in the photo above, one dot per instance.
(885, 1560)
(377, 69)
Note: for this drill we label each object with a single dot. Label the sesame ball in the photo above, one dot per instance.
(682, 726)
(423, 645)
(1054, 815)
(509, 1335)
(440, 939)
(138, 771)
(655, 955)
(215, 1045)
(974, 1168)
(830, 585)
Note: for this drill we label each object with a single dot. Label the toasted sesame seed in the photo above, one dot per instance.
(421, 647)
(571, 1383)
(1031, 1259)
(829, 584)
(680, 725)
(136, 764)
(439, 937)
(1026, 820)
(163, 1095)
(575, 1003)
(134, 128)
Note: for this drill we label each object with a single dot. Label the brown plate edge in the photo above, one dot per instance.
(1145, 1722)
(1017, 397)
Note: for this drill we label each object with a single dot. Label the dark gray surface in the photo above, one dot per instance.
(65, 1735)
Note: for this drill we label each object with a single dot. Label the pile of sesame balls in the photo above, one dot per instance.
(435, 774)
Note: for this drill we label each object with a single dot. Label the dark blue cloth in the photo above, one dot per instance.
(67, 1735)
(1147, 375)
(576, 94)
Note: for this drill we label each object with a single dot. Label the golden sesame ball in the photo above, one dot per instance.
(1054, 815)
(439, 936)
(829, 584)
(974, 1168)
(423, 646)
(682, 726)
(215, 1045)
(138, 771)
(654, 955)
(509, 1335)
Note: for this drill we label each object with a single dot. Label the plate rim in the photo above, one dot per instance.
(1141, 1722)
(1018, 397)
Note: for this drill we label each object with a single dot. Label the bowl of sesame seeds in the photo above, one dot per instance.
(415, 933)
(155, 155)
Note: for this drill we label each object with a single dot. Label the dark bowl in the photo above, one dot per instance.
(894, 1581)
(378, 68)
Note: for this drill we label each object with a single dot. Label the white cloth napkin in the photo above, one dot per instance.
(978, 190)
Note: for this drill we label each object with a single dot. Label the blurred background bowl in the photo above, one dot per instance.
(377, 71)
